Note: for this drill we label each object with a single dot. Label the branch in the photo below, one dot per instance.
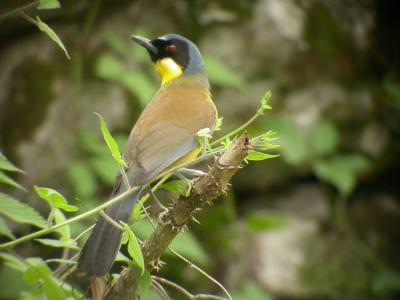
(204, 191)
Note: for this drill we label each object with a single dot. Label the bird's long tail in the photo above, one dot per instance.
(101, 248)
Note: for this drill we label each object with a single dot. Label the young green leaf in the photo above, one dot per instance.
(6, 165)
(4, 230)
(49, 4)
(54, 198)
(181, 187)
(226, 143)
(8, 180)
(58, 243)
(14, 262)
(218, 124)
(264, 105)
(263, 141)
(203, 137)
(82, 179)
(324, 138)
(256, 156)
(111, 143)
(20, 212)
(134, 250)
(64, 231)
(51, 34)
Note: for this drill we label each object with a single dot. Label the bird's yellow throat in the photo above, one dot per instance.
(168, 69)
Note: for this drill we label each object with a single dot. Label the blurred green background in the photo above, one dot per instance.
(320, 222)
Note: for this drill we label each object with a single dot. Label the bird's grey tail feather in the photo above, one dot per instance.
(100, 250)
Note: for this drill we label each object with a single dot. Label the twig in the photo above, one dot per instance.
(181, 289)
(111, 220)
(160, 290)
(202, 272)
(174, 285)
(83, 233)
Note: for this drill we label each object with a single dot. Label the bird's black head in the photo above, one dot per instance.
(173, 55)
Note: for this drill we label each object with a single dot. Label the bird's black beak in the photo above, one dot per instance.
(146, 43)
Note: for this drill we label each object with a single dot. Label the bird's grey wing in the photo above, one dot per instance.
(163, 144)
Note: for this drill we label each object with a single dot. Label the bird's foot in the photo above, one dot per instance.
(163, 216)
(156, 264)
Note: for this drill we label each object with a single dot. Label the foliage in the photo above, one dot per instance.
(20, 212)
(319, 150)
(111, 143)
(6, 165)
(250, 290)
(133, 247)
(54, 199)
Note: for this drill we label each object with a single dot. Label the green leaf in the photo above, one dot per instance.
(54, 198)
(91, 143)
(115, 42)
(341, 171)
(121, 257)
(51, 34)
(8, 180)
(111, 143)
(181, 187)
(58, 244)
(49, 4)
(52, 290)
(6, 165)
(226, 143)
(64, 231)
(82, 179)
(105, 168)
(203, 137)
(110, 68)
(264, 105)
(262, 222)
(4, 230)
(256, 156)
(38, 272)
(134, 250)
(20, 212)
(144, 281)
(293, 144)
(219, 74)
(263, 141)
(14, 262)
(252, 291)
(324, 138)
(218, 124)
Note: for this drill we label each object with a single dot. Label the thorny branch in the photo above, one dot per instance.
(204, 191)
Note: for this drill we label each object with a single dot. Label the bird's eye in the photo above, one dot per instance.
(170, 48)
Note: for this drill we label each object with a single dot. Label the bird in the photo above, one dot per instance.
(165, 135)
